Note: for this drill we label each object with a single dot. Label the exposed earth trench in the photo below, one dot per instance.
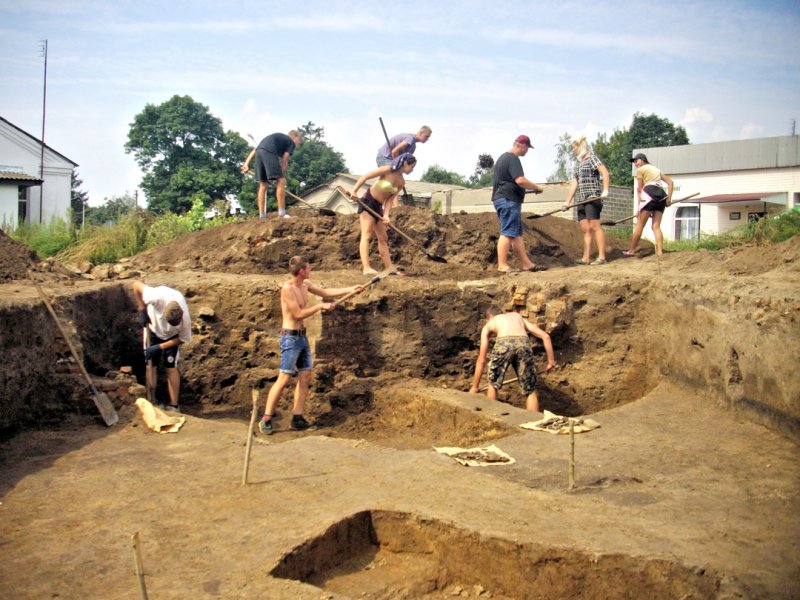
(689, 489)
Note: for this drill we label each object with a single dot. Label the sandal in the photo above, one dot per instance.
(582, 262)
(507, 271)
(599, 261)
(628, 254)
(536, 269)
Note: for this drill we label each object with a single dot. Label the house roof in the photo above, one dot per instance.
(413, 187)
(723, 198)
(35, 139)
(17, 177)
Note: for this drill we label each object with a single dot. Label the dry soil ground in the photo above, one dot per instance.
(688, 490)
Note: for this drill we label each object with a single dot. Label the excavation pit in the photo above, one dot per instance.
(383, 554)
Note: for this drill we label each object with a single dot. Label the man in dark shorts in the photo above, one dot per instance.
(508, 192)
(513, 347)
(164, 317)
(272, 158)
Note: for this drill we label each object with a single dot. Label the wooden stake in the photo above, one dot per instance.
(571, 454)
(249, 444)
(137, 555)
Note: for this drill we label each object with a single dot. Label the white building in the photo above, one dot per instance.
(737, 181)
(34, 186)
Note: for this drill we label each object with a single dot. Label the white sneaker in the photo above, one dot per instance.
(287, 216)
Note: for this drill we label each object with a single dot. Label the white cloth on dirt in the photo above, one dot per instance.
(157, 420)
(553, 423)
(488, 456)
(156, 300)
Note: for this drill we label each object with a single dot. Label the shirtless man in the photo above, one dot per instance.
(295, 350)
(513, 347)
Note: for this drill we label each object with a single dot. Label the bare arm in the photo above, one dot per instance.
(298, 314)
(284, 162)
(573, 187)
(526, 183)
(606, 179)
(399, 149)
(670, 187)
(548, 343)
(480, 364)
(246, 165)
(138, 291)
(332, 292)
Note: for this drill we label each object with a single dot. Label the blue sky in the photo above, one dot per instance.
(479, 73)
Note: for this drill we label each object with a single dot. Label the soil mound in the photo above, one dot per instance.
(467, 242)
(15, 259)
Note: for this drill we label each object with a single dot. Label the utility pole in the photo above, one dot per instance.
(44, 112)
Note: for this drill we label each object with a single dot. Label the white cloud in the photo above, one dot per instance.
(697, 115)
(751, 130)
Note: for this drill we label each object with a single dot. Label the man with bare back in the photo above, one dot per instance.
(295, 349)
(513, 347)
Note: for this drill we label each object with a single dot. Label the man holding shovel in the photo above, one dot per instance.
(513, 347)
(295, 349)
(164, 317)
(508, 192)
(272, 159)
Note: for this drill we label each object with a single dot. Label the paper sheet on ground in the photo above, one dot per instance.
(158, 420)
(553, 423)
(487, 456)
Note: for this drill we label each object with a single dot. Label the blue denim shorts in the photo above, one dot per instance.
(510, 215)
(295, 354)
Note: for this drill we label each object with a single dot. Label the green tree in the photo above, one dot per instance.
(652, 131)
(313, 163)
(646, 131)
(79, 200)
(482, 177)
(615, 152)
(111, 210)
(565, 160)
(437, 174)
(185, 154)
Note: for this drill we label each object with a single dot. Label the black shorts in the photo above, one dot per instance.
(268, 166)
(654, 206)
(169, 357)
(376, 206)
(590, 210)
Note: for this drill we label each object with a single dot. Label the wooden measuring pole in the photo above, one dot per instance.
(249, 443)
(137, 556)
(571, 454)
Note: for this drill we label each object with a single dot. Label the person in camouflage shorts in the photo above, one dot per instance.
(513, 347)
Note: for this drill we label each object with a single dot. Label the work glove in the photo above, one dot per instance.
(144, 318)
(152, 353)
(604, 195)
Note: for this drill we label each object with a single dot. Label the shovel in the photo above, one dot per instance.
(634, 215)
(563, 208)
(323, 211)
(433, 257)
(375, 279)
(101, 400)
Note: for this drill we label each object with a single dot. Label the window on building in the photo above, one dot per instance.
(687, 223)
(22, 205)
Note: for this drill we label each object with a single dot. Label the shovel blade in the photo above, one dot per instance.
(438, 259)
(106, 408)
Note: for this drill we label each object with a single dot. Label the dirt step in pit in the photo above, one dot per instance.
(384, 555)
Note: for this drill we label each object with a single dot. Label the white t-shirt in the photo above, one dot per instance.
(156, 300)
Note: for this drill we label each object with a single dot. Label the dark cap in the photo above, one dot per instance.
(638, 156)
(524, 140)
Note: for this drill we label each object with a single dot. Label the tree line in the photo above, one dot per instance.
(186, 155)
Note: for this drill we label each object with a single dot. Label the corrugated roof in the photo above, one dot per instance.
(723, 198)
(734, 155)
(18, 176)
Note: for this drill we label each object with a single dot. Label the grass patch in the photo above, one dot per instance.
(45, 239)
